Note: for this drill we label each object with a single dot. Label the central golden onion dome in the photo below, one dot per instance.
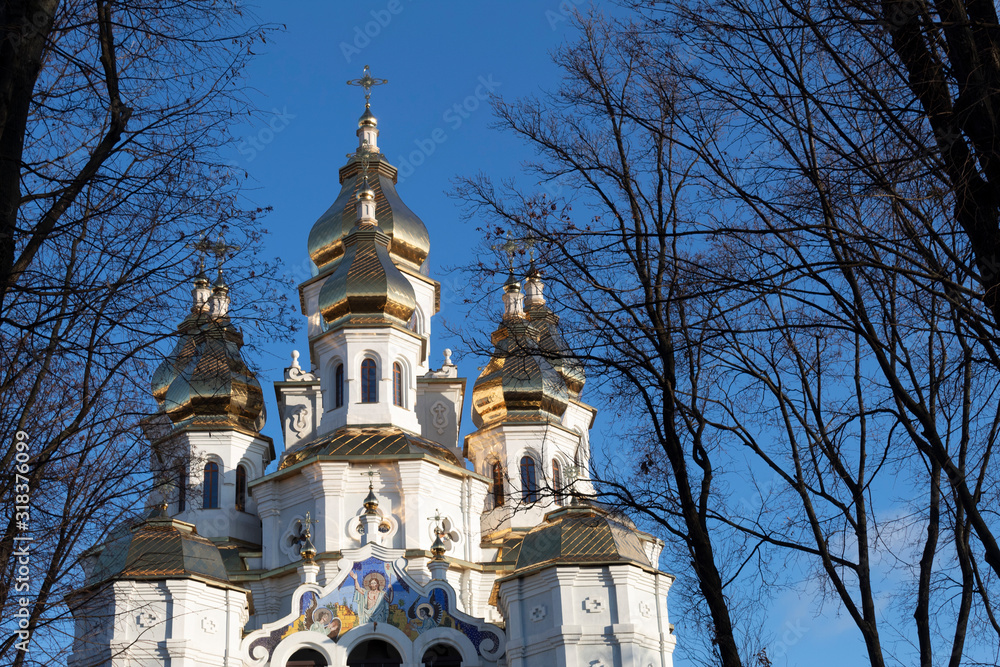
(519, 384)
(409, 242)
(366, 286)
(205, 381)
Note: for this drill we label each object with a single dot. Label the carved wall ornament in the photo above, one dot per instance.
(537, 613)
(146, 619)
(645, 609)
(440, 421)
(593, 605)
(299, 421)
(208, 625)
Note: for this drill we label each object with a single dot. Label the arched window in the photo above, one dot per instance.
(210, 501)
(374, 653)
(369, 383)
(442, 655)
(241, 488)
(306, 657)
(397, 384)
(529, 483)
(182, 482)
(497, 484)
(338, 386)
(557, 481)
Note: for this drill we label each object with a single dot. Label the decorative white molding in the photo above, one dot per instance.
(593, 605)
(208, 625)
(645, 609)
(294, 373)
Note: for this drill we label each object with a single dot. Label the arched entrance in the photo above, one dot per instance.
(306, 657)
(441, 655)
(374, 653)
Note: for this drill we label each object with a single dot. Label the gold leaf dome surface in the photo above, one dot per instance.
(519, 384)
(366, 286)
(409, 240)
(158, 548)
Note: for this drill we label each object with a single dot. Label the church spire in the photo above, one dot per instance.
(367, 124)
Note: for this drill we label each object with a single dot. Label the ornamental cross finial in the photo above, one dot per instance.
(510, 248)
(367, 82)
(221, 249)
(202, 246)
(529, 243)
(437, 516)
(371, 477)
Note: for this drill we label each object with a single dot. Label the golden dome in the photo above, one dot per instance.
(581, 535)
(551, 340)
(204, 381)
(409, 240)
(216, 388)
(158, 548)
(366, 286)
(519, 384)
(371, 441)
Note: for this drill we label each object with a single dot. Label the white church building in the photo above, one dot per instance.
(379, 538)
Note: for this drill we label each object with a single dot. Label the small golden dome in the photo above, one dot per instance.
(366, 286)
(205, 381)
(581, 535)
(409, 241)
(519, 384)
(367, 118)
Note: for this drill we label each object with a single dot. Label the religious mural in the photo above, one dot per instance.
(373, 592)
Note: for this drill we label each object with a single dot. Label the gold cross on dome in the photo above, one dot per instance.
(202, 246)
(367, 82)
(371, 476)
(221, 249)
(510, 248)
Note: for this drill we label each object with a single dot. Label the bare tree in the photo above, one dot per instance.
(112, 116)
(767, 274)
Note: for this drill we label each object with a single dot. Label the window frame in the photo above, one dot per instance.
(398, 398)
(529, 479)
(369, 380)
(338, 386)
(498, 484)
(211, 477)
(241, 488)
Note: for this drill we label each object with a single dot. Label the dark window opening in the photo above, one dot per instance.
(374, 653)
(210, 500)
(397, 385)
(529, 484)
(442, 655)
(306, 657)
(498, 484)
(557, 481)
(338, 386)
(369, 383)
(241, 488)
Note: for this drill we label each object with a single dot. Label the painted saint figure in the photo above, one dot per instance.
(371, 598)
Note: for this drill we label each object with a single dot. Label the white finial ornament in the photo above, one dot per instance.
(295, 360)
(447, 357)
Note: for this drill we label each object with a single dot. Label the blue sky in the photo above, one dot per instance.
(441, 61)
